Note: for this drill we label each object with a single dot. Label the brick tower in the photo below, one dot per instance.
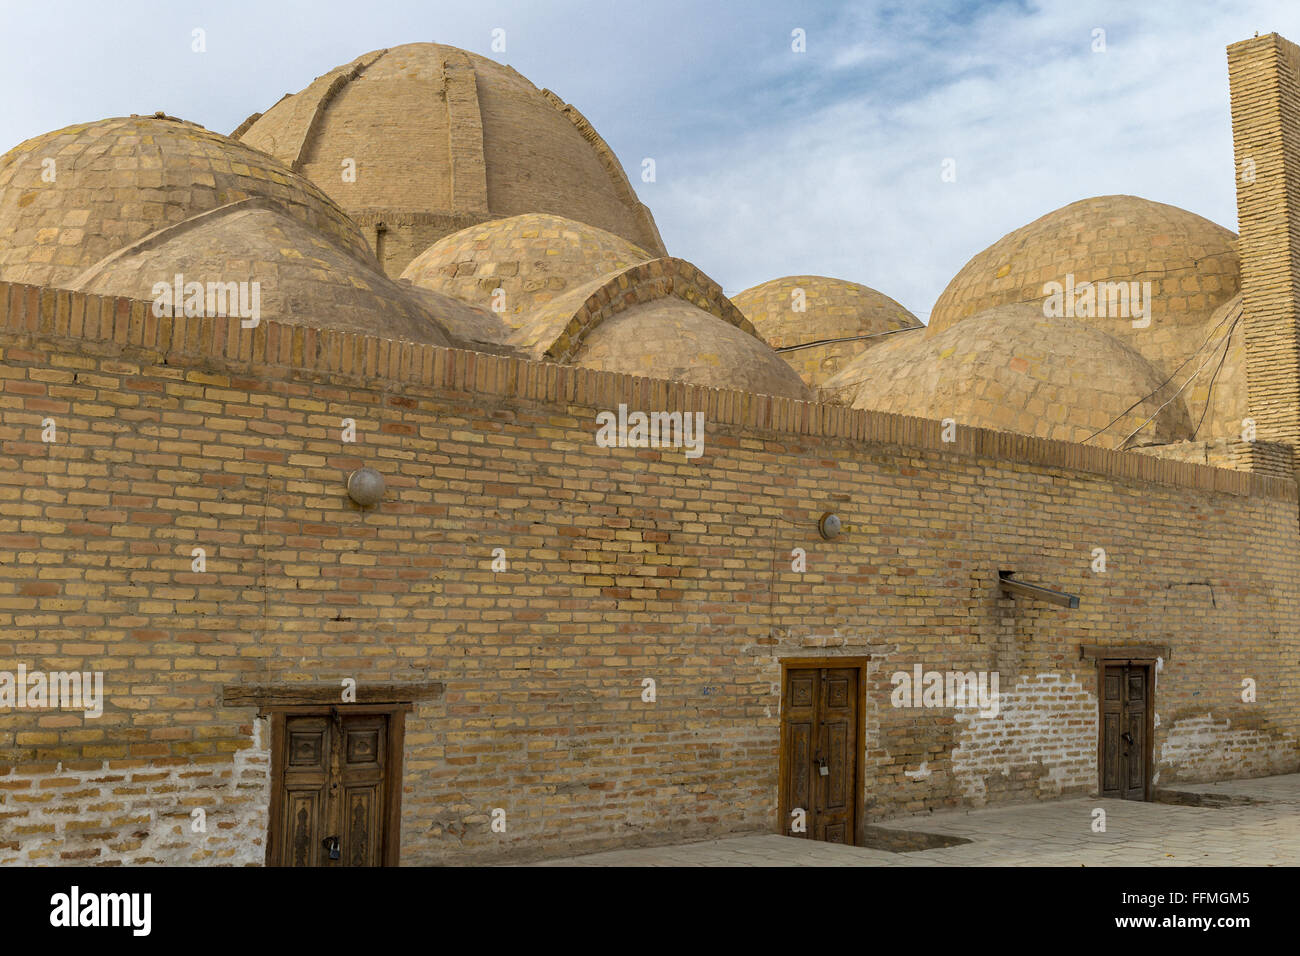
(1264, 78)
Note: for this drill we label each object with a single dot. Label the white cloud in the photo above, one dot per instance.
(769, 162)
(1033, 118)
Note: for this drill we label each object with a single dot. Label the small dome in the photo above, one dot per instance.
(683, 329)
(797, 310)
(673, 339)
(440, 139)
(532, 258)
(302, 276)
(72, 197)
(1011, 369)
(1190, 262)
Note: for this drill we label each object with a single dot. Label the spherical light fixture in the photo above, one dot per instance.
(366, 487)
(829, 525)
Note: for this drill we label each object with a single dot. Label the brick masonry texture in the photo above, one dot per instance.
(1190, 262)
(1010, 368)
(118, 180)
(298, 271)
(829, 309)
(623, 564)
(1264, 77)
(441, 135)
(532, 259)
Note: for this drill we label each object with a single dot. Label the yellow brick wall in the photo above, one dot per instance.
(1264, 77)
(623, 564)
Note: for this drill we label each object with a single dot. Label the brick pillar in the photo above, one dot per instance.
(1264, 78)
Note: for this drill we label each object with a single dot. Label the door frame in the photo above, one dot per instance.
(859, 758)
(396, 714)
(1120, 656)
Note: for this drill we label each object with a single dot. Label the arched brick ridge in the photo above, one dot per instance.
(447, 139)
(311, 105)
(131, 177)
(557, 330)
(159, 236)
(342, 78)
(303, 274)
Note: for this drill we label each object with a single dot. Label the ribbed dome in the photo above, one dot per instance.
(1011, 369)
(797, 310)
(118, 180)
(532, 258)
(303, 278)
(1190, 262)
(673, 339)
(442, 139)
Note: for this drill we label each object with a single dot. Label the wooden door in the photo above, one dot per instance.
(820, 713)
(1125, 747)
(334, 801)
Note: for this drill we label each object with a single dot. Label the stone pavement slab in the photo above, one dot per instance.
(1051, 833)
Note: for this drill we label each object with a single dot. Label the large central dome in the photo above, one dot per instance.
(440, 139)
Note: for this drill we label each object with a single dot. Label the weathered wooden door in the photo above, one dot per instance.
(819, 752)
(1125, 746)
(332, 802)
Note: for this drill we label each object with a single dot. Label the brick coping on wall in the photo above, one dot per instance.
(123, 326)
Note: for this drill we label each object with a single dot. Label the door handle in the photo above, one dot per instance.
(1127, 736)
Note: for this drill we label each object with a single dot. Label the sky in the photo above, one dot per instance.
(903, 139)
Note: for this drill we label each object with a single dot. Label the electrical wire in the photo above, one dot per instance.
(1209, 395)
(1189, 381)
(1172, 376)
(849, 338)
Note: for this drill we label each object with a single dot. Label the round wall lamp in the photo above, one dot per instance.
(366, 487)
(829, 525)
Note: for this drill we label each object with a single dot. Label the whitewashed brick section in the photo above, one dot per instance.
(1046, 728)
(140, 814)
(1205, 748)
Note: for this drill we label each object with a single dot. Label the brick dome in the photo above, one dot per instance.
(443, 139)
(533, 258)
(831, 309)
(303, 277)
(113, 182)
(1011, 369)
(673, 322)
(674, 339)
(479, 330)
(1190, 262)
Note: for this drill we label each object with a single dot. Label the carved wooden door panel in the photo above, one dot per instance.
(798, 742)
(305, 789)
(837, 720)
(332, 801)
(819, 741)
(1125, 717)
(360, 795)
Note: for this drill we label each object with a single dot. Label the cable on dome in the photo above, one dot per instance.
(1189, 381)
(1156, 390)
(1209, 395)
(848, 338)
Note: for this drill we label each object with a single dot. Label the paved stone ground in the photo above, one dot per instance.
(1054, 833)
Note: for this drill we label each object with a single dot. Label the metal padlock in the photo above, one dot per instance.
(332, 845)
(824, 770)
